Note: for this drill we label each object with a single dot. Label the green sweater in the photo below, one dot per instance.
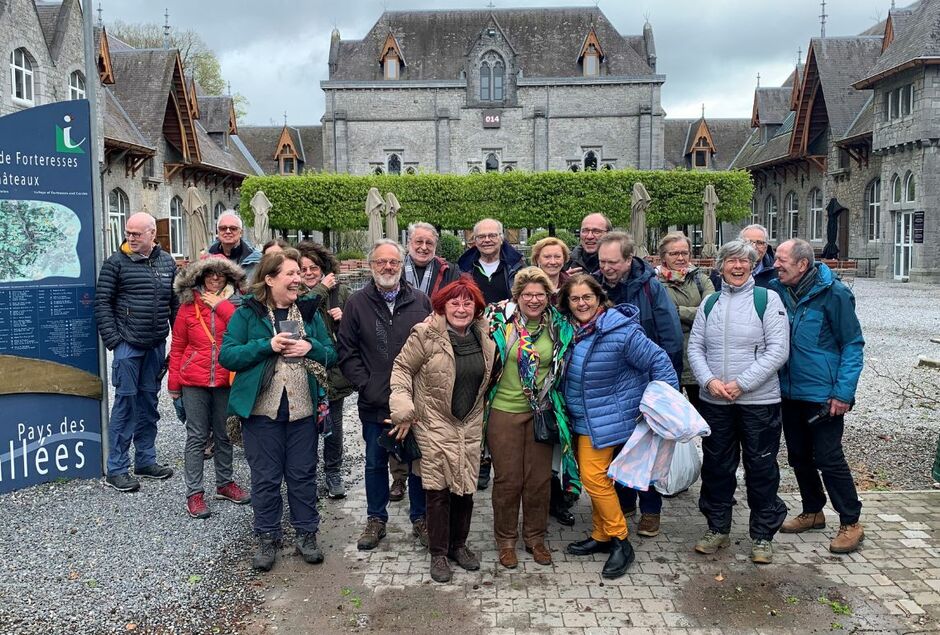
(509, 396)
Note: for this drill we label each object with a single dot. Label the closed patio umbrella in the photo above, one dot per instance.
(709, 222)
(261, 205)
(196, 223)
(639, 201)
(391, 216)
(833, 209)
(374, 206)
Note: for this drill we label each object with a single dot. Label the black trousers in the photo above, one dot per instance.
(817, 449)
(448, 517)
(754, 431)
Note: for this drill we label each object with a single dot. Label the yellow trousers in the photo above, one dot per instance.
(605, 506)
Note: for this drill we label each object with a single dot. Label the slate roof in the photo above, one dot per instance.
(261, 141)
(840, 61)
(728, 135)
(773, 103)
(143, 80)
(53, 20)
(753, 153)
(214, 112)
(312, 139)
(215, 157)
(117, 44)
(546, 42)
(118, 127)
(916, 37)
(865, 121)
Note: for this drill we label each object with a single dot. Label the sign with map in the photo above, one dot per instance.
(50, 387)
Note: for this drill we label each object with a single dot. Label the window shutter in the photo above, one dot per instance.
(163, 234)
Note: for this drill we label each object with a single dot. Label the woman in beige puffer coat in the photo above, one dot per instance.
(438, 384)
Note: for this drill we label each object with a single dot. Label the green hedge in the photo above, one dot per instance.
(518, 199)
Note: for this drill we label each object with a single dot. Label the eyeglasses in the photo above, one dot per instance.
(136, 235)
(757, 243)
(229, 228)
(492, 236)
(386, 262)
(528, 297)
(678, 254)
(458, 303)
(590, 231)
(587, 298)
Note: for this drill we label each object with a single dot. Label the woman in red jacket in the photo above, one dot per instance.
(205, 289)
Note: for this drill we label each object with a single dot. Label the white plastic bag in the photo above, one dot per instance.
(684, 470)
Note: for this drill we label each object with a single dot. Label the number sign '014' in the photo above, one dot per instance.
(491, 118)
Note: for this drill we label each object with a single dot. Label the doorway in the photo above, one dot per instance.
(903, 244)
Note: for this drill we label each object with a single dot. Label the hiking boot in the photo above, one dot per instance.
(804, 522)
(712, 541)
(762, 552)
(397, 491)
(196, 506)
(306, 545)
(371, 535)
(621, 557)
(540, 554)
(649, 525)
(465, 559)
(483, 480)
(588, 546)
(334, 483)
(155, 471)
(440, 570)
(122, 482)
(848, 538)
(232, 492)
(419, 529)
(264, 557)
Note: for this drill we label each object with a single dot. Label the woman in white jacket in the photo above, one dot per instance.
(739, 340)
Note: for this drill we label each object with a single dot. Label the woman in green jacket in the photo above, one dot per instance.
(279, 349)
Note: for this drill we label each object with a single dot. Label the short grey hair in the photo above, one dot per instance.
(735, 249)
(624, 239)
(428, 227)
(387, 241)
(754, 226)
(490, 220)
(802, 250)
(233, 214)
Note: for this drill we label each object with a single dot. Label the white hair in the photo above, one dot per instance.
(499, 225)
(735, 249)
(230, 213)
(757, 227)
(387, 241)
(428, 227)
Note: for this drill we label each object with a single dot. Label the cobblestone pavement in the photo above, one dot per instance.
(891, 585)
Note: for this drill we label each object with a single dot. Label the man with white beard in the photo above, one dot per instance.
(376, 322)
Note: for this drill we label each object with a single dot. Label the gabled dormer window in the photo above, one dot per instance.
(592, 62)
(391, 66)
(391, 58)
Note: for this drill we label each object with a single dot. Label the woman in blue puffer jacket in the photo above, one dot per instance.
(609, 367)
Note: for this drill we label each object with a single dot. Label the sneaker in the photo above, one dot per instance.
(465, 559)
(848, 538)
(264, 557)
(712, 541)
(440, 569)
(122, 482)
(334, 483)
(397, 491)
(371, 535)
(804, 522)
(155, 471)
(196, 506)
(306, 545)
(762, 552)
(649, 525)
(232, 492)
(419, 529)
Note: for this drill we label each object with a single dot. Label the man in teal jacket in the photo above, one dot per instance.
(818, 387)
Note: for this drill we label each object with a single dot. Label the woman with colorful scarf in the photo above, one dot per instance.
(610, 365)
(532, 339)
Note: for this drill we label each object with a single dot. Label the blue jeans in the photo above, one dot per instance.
(651, 501)
(134, 414)
(377, 477)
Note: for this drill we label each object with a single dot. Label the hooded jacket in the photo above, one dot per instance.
(134, 301)
(194, 355)
(511, 261)
(826, 343)
(607, 374)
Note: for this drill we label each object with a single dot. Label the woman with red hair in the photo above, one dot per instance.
(438, 384)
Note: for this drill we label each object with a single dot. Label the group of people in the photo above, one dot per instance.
(486, 370)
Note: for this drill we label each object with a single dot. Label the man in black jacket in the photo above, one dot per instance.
(376, 322)
(492, 262)
(134, 307)
(584, 257)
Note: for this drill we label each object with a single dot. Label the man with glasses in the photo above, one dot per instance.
(491, 261)
(231, 244)
(134, 307)
(584, 256)
(376, 322)
(764, 270)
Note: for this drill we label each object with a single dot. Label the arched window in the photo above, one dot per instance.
(770, 216)
(475, 169)
(793, 215)
(910, 188)
(499, 73)
(117, 218)
(508, 168)
(574, 167)
(896, 189)
(873, 203)
(217, 212)
(76, 85)
(378, 171)
(590, 160)
(607, 166)
(492, 77)
(21, 77)
(817, 218)
(492, 162)
(410, 170)
(393, 165)
(177, 226)
(486, 81)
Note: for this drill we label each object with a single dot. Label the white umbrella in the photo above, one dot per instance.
(374, 207)
(261, 205)
(391, 216)
(639, 201)
(196, 223)
(709, 222)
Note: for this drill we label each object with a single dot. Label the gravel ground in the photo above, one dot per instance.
(78, 557)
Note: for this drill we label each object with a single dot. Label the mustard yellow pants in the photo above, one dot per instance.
(607, 517)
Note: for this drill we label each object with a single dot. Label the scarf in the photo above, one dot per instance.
(807, 282)
(528, 357)
(430, 272)
(666, 274)
(389, 296)
(587, 329)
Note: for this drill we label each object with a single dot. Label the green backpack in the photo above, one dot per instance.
(760, 302)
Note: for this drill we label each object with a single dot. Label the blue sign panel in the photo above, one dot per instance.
(51, 426)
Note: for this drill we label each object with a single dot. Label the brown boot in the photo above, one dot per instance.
(540, 554)
(507, 557)
(848, 538)
(440, 569)
(649, 525)
(397, 491)
(804, 522)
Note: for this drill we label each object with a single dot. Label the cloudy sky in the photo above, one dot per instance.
(275, 51)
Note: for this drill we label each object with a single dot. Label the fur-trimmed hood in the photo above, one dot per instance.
(193, 274)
